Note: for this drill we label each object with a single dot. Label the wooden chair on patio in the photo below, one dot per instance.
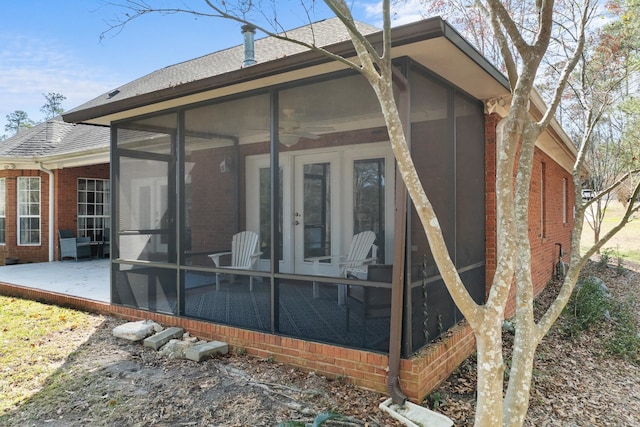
(351, 265)
(72, 247)
(244, 255)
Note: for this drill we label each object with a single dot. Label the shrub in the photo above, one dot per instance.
(605, 257)
(588, 305)
(625, 341)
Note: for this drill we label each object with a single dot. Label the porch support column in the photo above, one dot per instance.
(399, 253)
(51, 210)
(276, 235)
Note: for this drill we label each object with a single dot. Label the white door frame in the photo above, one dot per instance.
(342, 195)
(302, 266)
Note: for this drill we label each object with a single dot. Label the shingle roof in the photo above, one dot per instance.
(54, 137)
(322, 33)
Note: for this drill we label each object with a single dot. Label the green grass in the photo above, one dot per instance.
(33, 345)
(631, 255)
(625, 244)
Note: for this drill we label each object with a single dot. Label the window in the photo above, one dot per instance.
(28, 210)
(543, 200)
(2, 210)
(368, 199)
(94, 208)
(564, 200)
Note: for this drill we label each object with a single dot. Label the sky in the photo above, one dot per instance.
(56, 46)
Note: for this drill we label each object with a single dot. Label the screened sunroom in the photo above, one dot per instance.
(275, 209)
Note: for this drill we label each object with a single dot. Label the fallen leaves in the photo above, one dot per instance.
(574, 382)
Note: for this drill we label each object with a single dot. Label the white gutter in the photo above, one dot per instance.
(51, 209)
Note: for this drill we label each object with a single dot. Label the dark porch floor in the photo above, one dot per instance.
(301, 315)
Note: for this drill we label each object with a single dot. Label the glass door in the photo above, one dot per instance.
(316, 207)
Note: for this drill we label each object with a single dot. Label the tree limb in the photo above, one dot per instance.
(568, 68)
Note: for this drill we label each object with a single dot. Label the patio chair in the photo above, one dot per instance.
(106, 242)
(353, 264)
(244, 255)
(72, 247)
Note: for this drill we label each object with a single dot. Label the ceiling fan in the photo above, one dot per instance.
(291, 131)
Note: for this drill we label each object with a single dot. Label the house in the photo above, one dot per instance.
(54, 176)
(292, 147)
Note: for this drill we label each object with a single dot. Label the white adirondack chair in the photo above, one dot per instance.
(244, 254)
(351, 265)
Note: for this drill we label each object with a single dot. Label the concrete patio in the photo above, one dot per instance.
(303, 314)
(86, 279)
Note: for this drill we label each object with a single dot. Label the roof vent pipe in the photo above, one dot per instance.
(248, 31)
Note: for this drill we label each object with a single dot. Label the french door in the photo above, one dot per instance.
(326, 197)
(316, 209)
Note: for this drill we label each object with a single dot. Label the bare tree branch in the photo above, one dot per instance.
(568, 68)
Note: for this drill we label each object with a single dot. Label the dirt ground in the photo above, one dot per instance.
(112, 382)
(575, 382)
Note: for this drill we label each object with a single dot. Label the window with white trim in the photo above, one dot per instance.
(28, 210)
(565, 186)
(94, 207)
(543, 200)
(3, 216)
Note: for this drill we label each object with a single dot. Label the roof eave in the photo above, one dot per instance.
(406, 34)
(58, 161)
(567, 152)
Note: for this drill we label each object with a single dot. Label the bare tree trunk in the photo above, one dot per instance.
(516, 401)
(597, 223)
(489, 402)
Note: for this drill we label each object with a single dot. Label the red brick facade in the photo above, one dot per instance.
(10, 249)
(65, 209)
(550, 193)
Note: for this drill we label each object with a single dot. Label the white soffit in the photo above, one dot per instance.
(445, 59)
(558, 151)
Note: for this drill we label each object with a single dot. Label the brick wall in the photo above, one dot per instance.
(491, 121)
(546, 226)
(66, 191)
(31, 253)
(65, 209)
(546, 204)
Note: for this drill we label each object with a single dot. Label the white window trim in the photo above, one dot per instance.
(19, 217)
(3, 207)
(105, 216)
(565, 186)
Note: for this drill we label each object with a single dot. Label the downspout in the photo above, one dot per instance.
(51, 209)
(399, 253)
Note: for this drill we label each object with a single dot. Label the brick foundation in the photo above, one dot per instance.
(368, 370)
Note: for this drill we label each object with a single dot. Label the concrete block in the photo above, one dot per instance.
(175, 349)
(158, 340)
(135, 331)
(199, 351)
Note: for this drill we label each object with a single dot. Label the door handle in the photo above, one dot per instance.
(296, 222)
